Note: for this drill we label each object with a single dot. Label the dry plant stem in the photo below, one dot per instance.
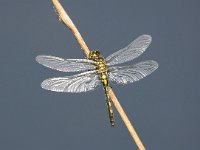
(126, 120)
(63, 16)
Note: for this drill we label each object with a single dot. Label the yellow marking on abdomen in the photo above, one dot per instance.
(109, 105)
(102, 70)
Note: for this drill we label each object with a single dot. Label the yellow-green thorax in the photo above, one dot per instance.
(100, 66)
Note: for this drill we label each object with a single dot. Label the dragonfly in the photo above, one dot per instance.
(98, 70)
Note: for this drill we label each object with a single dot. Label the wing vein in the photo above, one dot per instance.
(130, 74)
(65, 65)
(130, 52)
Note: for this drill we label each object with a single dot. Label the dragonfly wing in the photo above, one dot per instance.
(133, 50)
(75, 84)
(65, 65)
(130, 74)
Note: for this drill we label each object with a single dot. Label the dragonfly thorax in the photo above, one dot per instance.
(100, 62)
(101, 66)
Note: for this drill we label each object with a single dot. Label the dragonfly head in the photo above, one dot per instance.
(94, 55)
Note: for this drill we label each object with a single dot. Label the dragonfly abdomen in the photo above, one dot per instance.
(103, 78)
(110, 110)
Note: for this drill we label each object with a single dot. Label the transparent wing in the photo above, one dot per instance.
(78, 83)
(129, 74)
(133, 50)
(65, 65)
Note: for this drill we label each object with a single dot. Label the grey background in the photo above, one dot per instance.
(164, 107)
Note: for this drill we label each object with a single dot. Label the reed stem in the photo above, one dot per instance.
(64, 17)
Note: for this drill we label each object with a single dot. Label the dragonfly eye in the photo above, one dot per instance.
(94, 55)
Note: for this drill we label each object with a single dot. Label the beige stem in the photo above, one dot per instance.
(126, 120)
(63, 16)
